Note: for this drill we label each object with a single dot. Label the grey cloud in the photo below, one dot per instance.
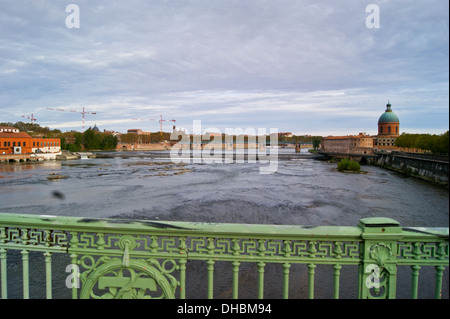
(249, 58)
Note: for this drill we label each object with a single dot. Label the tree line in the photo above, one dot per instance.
(133, 138)
(33, 129)
(436, 144)
(89, 140)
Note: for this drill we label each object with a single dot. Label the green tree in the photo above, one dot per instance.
(108, 142)
(91, 140)
(437, 144)
(78, 141)
(129, 138)
(33, 128)
(316, 143)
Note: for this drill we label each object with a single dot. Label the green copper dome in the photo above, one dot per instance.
(388, 116)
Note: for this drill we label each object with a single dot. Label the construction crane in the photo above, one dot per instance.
(160, 122)
(83, 113)
(32, 118)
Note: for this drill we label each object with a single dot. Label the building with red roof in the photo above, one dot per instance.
(12, 141)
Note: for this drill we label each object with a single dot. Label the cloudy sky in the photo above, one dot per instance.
(307, 67)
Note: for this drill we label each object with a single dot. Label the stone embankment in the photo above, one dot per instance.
(429, 167)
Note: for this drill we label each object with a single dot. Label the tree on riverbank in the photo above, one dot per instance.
(89, 140)
(133, 138)
(93, 140)
(316, 142)
(437, 144)
(76, 139)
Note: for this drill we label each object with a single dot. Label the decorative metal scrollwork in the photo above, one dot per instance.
(380, 253)
(110, 281)
(128, 278)
(378, 280)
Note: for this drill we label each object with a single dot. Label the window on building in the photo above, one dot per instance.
(24, 143)
(381, 129)
(389, 129)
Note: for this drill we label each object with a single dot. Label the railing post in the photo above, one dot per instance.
(3, 278)
(378, 268)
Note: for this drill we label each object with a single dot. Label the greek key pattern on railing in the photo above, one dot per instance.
(294, 249)
(422, 251)
(34, 237)
(153, 253)
(221, 247)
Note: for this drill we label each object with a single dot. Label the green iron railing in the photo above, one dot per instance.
(116, 258)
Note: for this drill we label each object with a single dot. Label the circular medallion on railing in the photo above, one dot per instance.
(138, 280)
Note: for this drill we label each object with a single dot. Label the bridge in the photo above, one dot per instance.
(120, 258)
(353, 156)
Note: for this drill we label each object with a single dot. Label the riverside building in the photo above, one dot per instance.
(12, 141)
(362, 144)
(351, 144)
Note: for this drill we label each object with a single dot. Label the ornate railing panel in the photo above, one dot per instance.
(112, 258)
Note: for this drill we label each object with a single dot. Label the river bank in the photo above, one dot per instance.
(429, 168)
(414, 174)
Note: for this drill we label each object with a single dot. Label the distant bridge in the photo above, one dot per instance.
(353, 156)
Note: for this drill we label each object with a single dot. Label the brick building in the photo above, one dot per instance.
(350, 144)
(388, 131)
(12, 141)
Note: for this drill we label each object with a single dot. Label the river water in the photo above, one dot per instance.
(302, 191)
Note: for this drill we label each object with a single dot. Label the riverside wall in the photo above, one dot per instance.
(430, 167)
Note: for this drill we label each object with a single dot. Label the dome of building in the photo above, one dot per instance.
(388, 116)
(389, 124)
(95, 128)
